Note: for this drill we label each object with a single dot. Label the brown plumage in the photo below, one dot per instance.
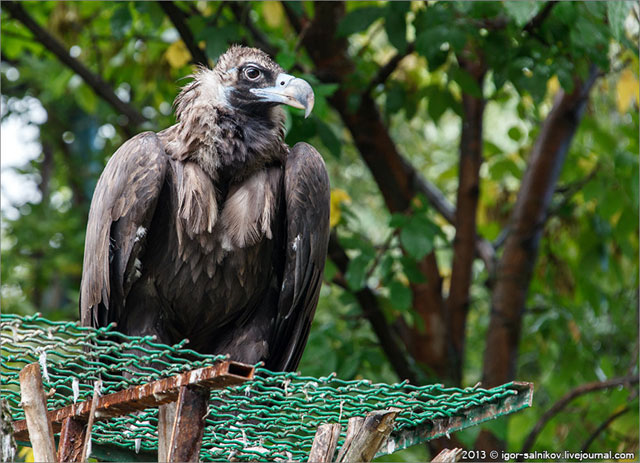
(214, 229)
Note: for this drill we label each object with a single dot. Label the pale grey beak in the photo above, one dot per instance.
(288, 90)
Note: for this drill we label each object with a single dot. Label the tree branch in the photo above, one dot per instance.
(102, 88)
(240, 11)
(602, 427)
(515, 268)
(540, 17)
(568, 397)
(178, 19)
(465, 223)
(385, 71)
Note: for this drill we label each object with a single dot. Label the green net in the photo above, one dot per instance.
(275, 416)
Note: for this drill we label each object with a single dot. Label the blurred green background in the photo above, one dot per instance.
(411, 98)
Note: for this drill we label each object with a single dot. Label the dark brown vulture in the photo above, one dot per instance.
(214, 229)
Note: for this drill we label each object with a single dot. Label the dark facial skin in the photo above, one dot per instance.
(253, 75)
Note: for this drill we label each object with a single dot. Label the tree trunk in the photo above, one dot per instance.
(515, 268)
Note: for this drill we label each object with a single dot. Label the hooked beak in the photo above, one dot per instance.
(288, 90)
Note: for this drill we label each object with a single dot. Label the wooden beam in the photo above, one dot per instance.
(72, 437)
(34, 403)
(145, 396)
(372, 433)
(188, 426)
(325, 443)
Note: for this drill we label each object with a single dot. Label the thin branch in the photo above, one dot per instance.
(241, 12)
(102, 88)
(602, 427)
(568, 397)
(383, 249)
(178, 18)
(466, 226)
(540, 17)
(385, 71)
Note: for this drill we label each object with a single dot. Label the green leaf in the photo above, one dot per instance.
(395, 24)
(521, 11)
(617, 12)
(329, 138)
(396, 96)
(400, 295)
(515, 133)
(286, 59)
(356, 274)
(467, 83)
(417, 237)
(121, 21)
(411, 270)
(439, 100)
(219, 39)
(86, 98)
(330, 270)
(398, 220)
(359, 20)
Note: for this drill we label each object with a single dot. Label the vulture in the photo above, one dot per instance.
(214, 229)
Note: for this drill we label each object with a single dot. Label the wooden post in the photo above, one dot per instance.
(34, 403)
(325, 443)
(354, 424)
(166, 418)
(72, 436)
(188, 426)
(369, 436)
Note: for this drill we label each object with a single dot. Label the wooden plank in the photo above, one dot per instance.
(325, 443)
(188, 426)
(162, 391)
(72, 437)
(353, 426)
(34, 403)
(372, 433)
(166, 418)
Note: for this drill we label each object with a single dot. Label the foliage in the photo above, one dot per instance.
(581, 316)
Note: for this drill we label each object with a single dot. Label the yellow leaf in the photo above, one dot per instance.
(177, 55)
(273, 13)
(26, 454)
(627, 90)
(553, 85)
(338, 196)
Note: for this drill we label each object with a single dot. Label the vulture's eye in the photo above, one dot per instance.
(252, 73)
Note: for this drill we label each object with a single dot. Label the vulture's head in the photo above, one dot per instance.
(252, 81)
(245, 81)
(235, 108)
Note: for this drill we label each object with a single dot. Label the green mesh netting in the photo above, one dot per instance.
(274, 416)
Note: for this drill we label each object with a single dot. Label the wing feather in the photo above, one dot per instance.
(307, 198)
(121, 211)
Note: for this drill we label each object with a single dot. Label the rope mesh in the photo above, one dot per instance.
(274, 416)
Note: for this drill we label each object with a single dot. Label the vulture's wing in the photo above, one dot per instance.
(307, 194)
(121, 210)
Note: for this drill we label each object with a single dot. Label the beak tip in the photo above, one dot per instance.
(308, 107)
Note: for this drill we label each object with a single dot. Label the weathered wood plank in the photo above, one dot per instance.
(370, 435)
(72, 437)
(34, 403)
(325, 443)
(188, 426)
